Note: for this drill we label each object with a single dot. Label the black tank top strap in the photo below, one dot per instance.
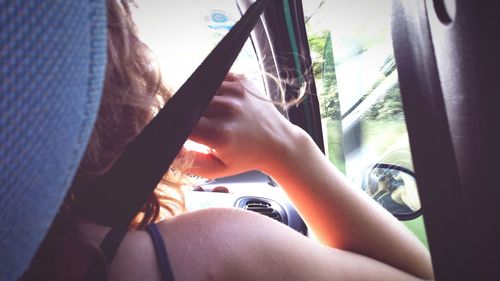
(111, 242)
(161, 253)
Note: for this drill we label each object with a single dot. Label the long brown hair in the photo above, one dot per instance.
(133, 92)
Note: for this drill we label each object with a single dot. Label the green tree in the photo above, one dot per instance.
(324, 73)
(389, 107)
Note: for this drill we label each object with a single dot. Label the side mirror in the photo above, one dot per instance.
(395, 188)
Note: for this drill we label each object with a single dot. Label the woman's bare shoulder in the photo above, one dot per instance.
(208, 244)
(231, 244)
(199, 245)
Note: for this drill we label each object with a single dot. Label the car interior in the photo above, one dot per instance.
(400, 95)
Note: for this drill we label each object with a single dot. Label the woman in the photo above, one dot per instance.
(359, 239)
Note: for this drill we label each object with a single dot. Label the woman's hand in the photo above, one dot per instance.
(243, 130)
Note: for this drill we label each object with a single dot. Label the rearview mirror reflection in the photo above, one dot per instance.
(395, 188)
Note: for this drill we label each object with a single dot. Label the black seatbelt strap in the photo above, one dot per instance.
(120, 194)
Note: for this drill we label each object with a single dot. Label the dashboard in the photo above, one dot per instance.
(252, 191)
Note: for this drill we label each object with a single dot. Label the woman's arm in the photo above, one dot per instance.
(342, 216)
(247, 133)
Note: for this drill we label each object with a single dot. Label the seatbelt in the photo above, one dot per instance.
(119, 195)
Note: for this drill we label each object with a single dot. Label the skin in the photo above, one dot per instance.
(358, 239)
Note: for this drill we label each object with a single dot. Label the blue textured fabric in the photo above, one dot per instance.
(52, 60)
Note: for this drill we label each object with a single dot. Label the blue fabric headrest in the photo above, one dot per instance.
(52, 62)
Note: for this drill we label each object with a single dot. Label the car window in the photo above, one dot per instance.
(357, 82)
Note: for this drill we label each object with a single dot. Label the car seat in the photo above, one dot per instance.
(52, 56)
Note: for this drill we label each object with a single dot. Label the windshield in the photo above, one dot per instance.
(182, 35)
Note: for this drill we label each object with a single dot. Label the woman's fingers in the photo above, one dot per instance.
(233, 77)
(231, 88)
(207, 166)
(223, 106)
(208, 132)
(240, 85)
(205, 132)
